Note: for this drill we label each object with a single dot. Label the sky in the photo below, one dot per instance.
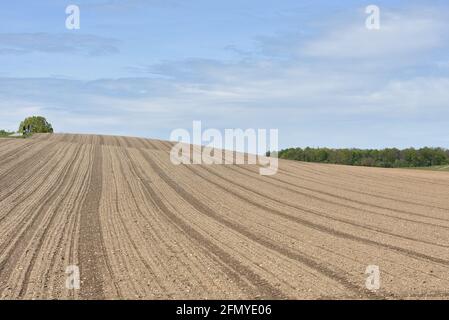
(310, 69)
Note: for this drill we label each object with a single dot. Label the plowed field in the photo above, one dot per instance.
(139, 227)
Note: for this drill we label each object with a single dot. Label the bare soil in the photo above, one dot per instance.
(140, 227)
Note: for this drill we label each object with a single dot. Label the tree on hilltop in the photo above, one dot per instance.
(35, 124)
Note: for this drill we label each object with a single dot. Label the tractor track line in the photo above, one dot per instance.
(142, 259)
(370, 204)
(375, 195)
(351, 207)
(267, 290)
(324, 229)
(203, 208)
(223, 264)
(91, 250)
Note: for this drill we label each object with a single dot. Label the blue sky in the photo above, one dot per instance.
(309, 68)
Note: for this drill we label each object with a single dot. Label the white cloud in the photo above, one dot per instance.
(408, 33)
(417, 96)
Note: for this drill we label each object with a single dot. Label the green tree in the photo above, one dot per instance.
(389, 158)
(4, 133)
(36, 124)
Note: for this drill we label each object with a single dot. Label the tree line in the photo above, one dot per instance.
(4, 133)
(387, 158)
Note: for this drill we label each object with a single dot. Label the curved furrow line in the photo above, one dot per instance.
(60, 234)
(72, 256)
(294, 165)
(91, 250)
(379, 196)
(139, 143)
(302, 258)
(37, 183)
(42, 185)
(145, 218)
(238, 269)
(121, 259)
(371, 204)
(380, 175)
(125, 142)
(101, 140)
(12, 154)
(64, 234)
(34, 177)
(341, 174)
(108, 264)
(340, 187)
(303, 168)
(344, 205)
(168, 144)
(244, 199)
(323, 248)
(150, 144)
(222, 264)
(315, 226)
(230, 266)
(162, 145)
(19, 177)
(140, 227)
(112, 141)
(163, 238)
(414, 179)
(156, 236)
(130, 237)
(18, 247)
(129, 142)
(22, 162)
(4, 143)
(122, 142)
(65, 186)
(336, 253)
(6, 140)
(118, 142)
(36, 148)
(351, 222)
(72, 253)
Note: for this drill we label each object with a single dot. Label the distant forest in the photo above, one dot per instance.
(387, 158)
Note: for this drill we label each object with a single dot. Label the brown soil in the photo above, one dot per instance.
(139, 227)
